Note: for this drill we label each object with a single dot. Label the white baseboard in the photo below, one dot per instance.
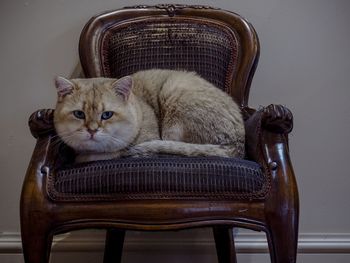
(309, 243)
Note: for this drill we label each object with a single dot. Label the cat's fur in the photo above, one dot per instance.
(154, 111)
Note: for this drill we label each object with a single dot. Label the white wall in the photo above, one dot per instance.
(304, 64)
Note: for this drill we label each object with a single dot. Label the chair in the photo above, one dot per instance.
(167, 192)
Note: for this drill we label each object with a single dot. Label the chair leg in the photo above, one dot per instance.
(114, 246)
(283, 243)
(225, 246)
(36, 243)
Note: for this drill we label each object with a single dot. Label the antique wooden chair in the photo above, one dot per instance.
(167, 192)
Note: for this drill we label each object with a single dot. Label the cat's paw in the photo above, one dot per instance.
(137, 151)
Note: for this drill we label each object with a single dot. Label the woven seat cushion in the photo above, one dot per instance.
(159, 178)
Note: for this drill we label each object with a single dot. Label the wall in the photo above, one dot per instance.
(304, 65)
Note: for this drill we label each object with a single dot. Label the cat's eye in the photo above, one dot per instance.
(106, 115)
(79, 114)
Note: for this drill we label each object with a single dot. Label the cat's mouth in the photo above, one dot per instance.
(92, 137)
(93, 140)
(90, 144)
(90, 141)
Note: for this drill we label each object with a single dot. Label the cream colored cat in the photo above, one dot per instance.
(149, 112)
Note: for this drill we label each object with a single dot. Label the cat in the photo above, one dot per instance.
(147, 113)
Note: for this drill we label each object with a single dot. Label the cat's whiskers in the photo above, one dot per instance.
(66, 137)
(113, 139)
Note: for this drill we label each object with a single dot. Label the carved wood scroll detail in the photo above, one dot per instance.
(277, 118)
(41, 122)
(171, 8)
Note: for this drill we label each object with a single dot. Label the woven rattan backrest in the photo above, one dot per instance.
(219, 45)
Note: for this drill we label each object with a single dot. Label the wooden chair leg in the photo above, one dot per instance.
(225, 246)
(283, 243)
(114, 246)
(36, 243)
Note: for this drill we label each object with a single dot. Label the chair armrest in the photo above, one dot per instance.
(284, 198)
(267, 143)
(41, 123)
(34, 187)
(42, 128)
(45, 155)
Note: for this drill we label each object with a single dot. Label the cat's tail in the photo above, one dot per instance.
(153, 147)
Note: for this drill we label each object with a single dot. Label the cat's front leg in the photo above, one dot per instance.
(144, 149)
(155, 147)
(89, 157)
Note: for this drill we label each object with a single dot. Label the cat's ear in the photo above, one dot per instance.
(63, 86)
(123, 87)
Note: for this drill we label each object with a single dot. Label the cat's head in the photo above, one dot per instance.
(96, 115)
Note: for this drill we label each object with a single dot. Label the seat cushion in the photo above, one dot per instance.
(203, 178)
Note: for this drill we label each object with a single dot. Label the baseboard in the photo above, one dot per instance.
(309, 243)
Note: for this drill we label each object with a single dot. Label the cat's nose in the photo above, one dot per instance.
(91, 131)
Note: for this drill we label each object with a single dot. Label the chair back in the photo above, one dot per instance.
(220, 46)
